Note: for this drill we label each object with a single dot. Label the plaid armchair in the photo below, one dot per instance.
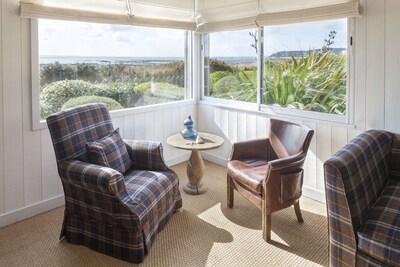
(115, 213)
(362, 184)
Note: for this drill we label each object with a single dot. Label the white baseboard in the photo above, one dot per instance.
(314, 194)
(176, 160)
(32, 210)
(214, 159)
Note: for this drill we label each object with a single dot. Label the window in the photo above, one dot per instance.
(302, 70)
(122, 66)
(231, 65)
(305, 66)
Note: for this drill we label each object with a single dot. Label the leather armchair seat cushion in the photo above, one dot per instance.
(250, 173)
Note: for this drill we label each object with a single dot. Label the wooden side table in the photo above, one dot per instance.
(195, 165)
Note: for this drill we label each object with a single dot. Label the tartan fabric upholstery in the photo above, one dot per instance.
(355, 178)
(395, 158)
(146, 155)
(147, 188)
(71, 129)
(113, 213)
(110, 151)
(379, 236)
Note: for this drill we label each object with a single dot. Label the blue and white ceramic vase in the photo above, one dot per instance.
(189, 132)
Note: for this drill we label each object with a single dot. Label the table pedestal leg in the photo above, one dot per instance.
(195, 171)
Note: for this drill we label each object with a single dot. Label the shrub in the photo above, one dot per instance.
(226, 84)
(55, 72)
(55, 94)
(215, 77)
(173, 73)
(241, 86)
(86, 71)
(219, 65)
(123, 93)
(315, 82)
(154, 93)
(81, 100)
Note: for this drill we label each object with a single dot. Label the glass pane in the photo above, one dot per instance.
(232, 65)
(122, 66)
(305, 66)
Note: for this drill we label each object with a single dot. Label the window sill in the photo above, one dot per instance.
(280, 113)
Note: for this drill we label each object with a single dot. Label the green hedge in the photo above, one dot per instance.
(123, 93)
(81, 100)
(54, 95)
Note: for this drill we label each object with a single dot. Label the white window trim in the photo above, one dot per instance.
(277, 111)
(38, 123)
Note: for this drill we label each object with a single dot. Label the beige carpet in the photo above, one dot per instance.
(203, 233)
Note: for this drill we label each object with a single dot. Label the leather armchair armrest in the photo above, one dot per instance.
(146, 155)
(284, 181)
(294, 161)
(257, 148)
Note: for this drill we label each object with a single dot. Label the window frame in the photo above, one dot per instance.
(39, 123)
(219, 101)
(277, 111)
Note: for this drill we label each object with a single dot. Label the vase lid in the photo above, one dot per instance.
(188, 121)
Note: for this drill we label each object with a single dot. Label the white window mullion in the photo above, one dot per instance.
(260, 66)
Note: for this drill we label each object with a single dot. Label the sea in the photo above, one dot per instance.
(131, 60)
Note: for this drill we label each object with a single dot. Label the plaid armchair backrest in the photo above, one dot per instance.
(361, 169)
(71, 129)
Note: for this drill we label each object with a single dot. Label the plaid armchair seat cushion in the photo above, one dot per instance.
(379, 236)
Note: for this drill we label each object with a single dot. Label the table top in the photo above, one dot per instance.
(211, 141)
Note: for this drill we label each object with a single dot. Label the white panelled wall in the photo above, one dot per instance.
(29, 182)
(234, 125)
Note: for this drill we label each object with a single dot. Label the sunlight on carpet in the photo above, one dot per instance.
(205, 232)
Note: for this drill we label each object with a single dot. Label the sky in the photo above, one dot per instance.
(68, 38)
(302, 36)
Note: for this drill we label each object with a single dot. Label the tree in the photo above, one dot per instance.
(255, 40)
(329, 41)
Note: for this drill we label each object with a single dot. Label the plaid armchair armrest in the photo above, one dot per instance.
(92, 176)
(342, 239)
(146, 155)
(105, 187)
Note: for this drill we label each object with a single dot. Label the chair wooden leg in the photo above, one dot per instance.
(266, 227)
(298, 212)
(229, 195)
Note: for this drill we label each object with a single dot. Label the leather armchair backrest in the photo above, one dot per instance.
(72, 128)
(288, 139)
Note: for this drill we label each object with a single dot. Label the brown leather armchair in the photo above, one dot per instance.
(269, 171)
